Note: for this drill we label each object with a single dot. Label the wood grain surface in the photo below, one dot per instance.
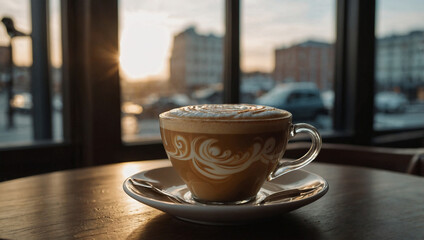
(89, 203)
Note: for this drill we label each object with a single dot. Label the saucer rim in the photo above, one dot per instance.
(153, 202)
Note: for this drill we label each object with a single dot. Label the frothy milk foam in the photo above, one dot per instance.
(224, 118)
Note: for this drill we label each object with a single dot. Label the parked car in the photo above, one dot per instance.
(302, 99)
(156, 105)
(390, 102)
(129, 108)
(22, 102)
(328, 100)
(211, 94)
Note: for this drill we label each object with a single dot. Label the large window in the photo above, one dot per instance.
(399, 72)
(171, 55)
(288, 57)
(15, 72)
(16, 63)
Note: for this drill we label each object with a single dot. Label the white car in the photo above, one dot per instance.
(302, 99)
(390, 102)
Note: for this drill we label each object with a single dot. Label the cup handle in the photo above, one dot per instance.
(288, 166)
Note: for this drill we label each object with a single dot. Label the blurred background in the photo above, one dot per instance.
(172, 53)
(172, 56)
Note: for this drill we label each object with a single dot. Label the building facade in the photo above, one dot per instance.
(310, 61)
(196, 60)
(400, 62)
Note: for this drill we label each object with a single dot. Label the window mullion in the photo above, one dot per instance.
(40, 77)
(232, 52)
(91, 80)
(354, 103)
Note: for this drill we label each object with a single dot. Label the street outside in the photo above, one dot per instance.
(22, 131)
(412, 117)
(149, 128)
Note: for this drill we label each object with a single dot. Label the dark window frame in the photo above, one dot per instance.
(91, 92)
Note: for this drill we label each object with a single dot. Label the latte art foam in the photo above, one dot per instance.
(227, 112)
(225, 118)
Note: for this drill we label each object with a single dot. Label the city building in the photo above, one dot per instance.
(196, 60)
(310, 61)
(400, 63)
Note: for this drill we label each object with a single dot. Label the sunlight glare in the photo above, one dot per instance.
(144, 45)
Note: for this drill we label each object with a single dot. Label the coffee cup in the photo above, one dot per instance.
(225, 152)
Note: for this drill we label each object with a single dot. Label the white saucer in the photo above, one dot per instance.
(226, 214)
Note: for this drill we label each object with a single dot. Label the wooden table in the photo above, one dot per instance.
(90, 204)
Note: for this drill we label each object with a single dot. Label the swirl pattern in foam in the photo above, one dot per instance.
(227, 112)
(212, 162)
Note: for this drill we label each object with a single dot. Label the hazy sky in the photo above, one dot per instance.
(20, 12)
(147, 28)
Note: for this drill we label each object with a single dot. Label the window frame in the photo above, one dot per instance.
(354, 70)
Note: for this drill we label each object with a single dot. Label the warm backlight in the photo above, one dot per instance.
(144, 45)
